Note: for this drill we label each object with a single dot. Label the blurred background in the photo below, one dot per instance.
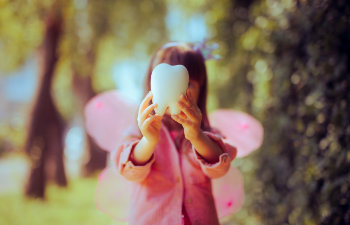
(285, 62)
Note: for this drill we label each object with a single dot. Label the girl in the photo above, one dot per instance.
(171, 159)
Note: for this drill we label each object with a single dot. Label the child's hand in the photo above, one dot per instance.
(190, 116)
(149, 124)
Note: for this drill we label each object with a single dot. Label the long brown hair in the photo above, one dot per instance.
(183, 54)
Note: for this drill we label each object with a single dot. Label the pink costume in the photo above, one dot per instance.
(174, 179)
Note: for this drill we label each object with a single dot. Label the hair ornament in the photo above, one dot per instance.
(202, 47)
(207, 49)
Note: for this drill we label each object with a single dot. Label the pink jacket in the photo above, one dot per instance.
(171, 179)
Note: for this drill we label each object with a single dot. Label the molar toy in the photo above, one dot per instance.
(167, 84)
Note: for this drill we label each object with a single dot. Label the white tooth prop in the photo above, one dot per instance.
(167, 84)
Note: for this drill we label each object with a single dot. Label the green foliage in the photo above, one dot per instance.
(90, 26)
(20, 33)
(99, 33)
(289, 65)
(311, 79)
(15, 137)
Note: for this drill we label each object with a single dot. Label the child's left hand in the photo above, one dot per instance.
(190, 116)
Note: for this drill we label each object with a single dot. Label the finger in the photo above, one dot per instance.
(180, 120)
(146, 113)
(190, 97)
(188, 111)
(155, 118)
(193, 103)
(145, 102)
(182, 115)
(184, 99)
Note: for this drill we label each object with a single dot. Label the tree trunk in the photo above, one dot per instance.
(44, 142)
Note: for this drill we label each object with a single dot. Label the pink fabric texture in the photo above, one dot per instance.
(172, 179)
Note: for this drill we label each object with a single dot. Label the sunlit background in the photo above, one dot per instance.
(284, 62)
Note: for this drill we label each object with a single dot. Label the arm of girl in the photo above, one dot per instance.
(150, 128)
(135, 157)
(190, 117)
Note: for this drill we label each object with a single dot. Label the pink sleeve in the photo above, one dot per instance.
(218, 169)
(121, 158)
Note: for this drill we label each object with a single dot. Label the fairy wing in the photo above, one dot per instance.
(228, 192)
(112, 195)
(246, 134)
(107, 118)
(239, 129)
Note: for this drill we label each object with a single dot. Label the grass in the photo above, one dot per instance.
(63, 206)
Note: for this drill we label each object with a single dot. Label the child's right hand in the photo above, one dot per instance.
(149, 124)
